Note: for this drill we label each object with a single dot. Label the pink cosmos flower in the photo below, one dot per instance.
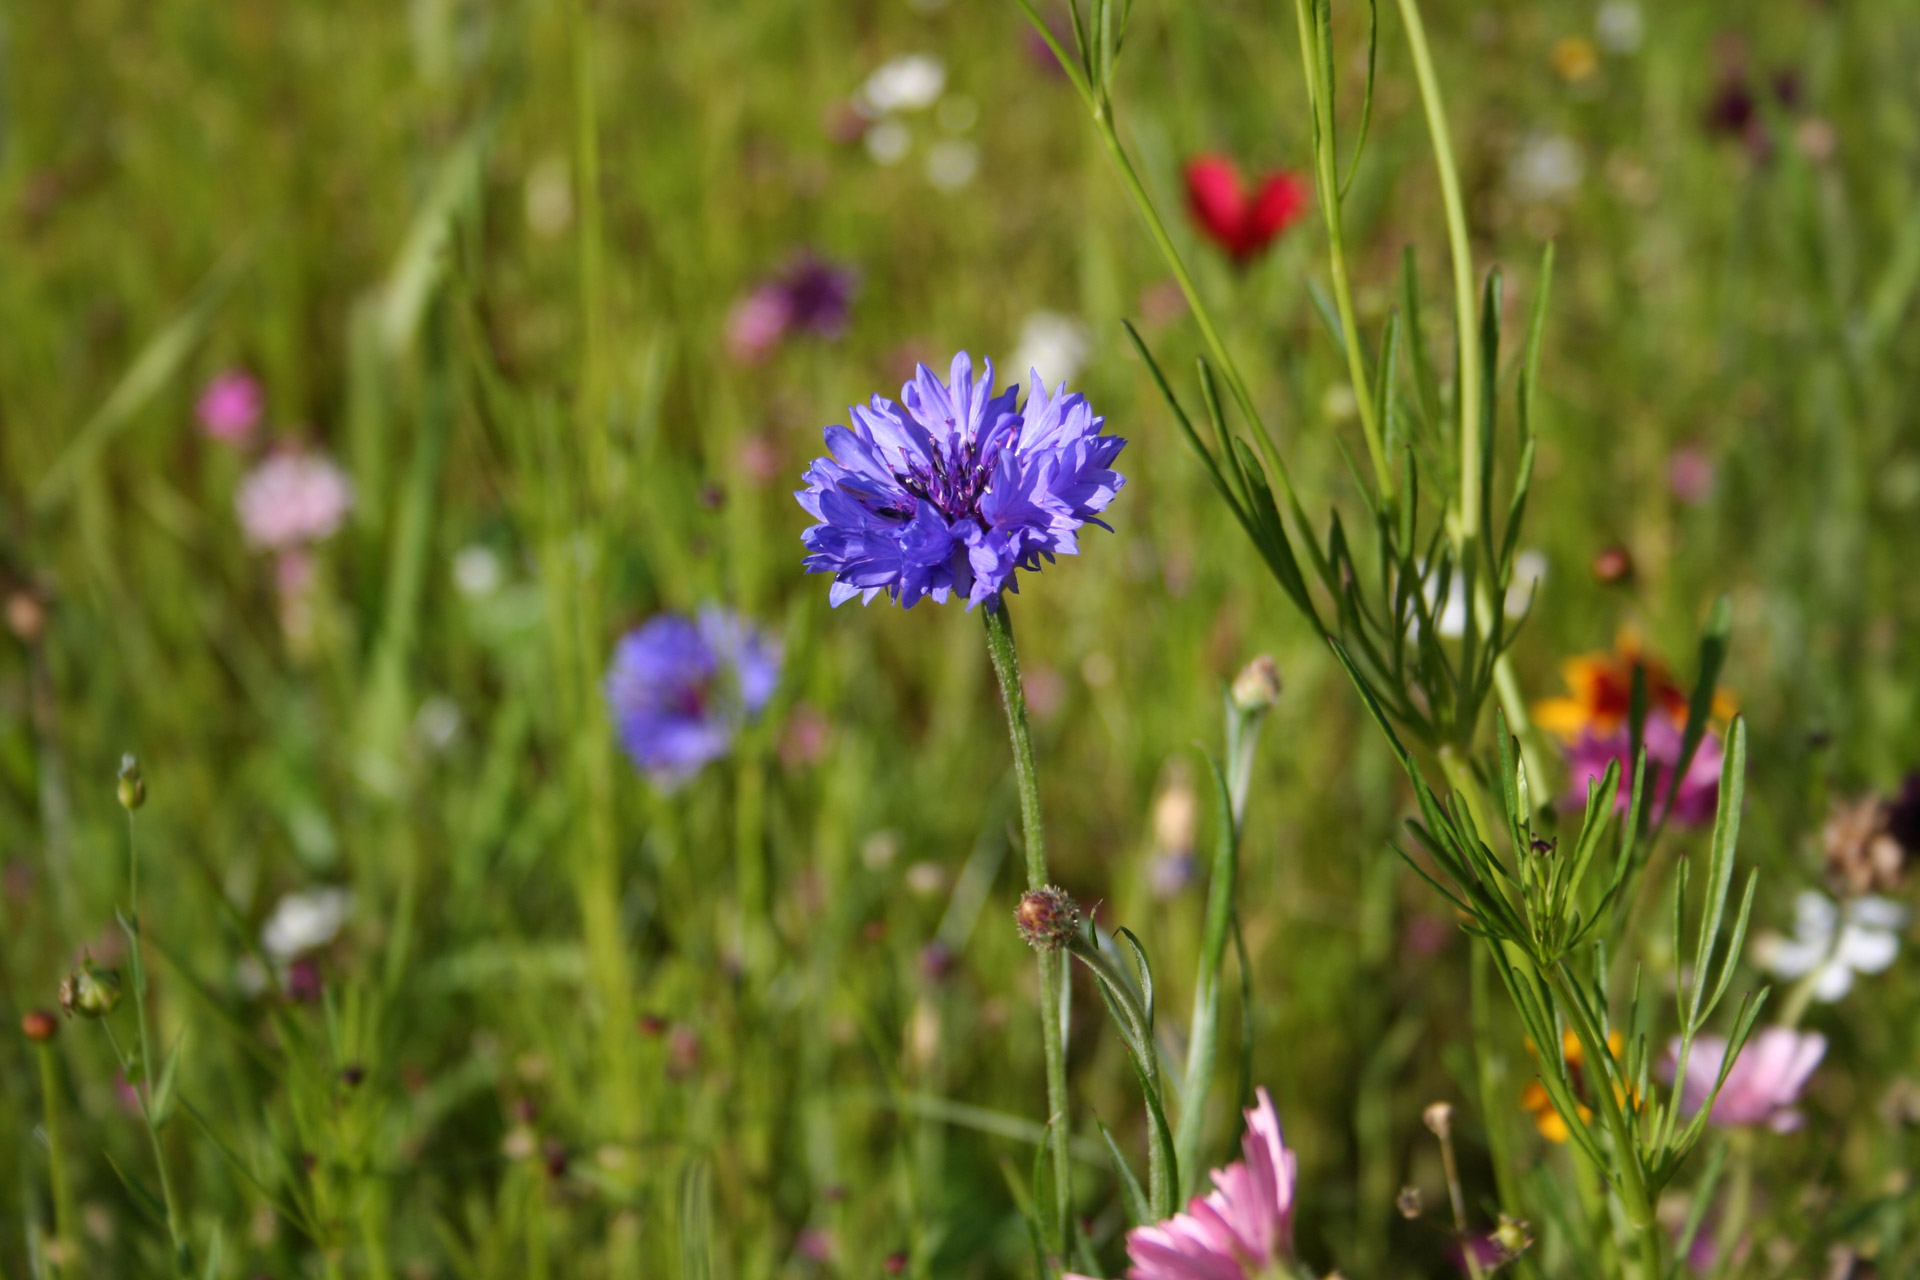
(230, 407)
(293, 499)
(1763, 1084)
(1697, 794)
(1241, 1229)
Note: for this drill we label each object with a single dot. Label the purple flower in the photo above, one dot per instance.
(1241, 1230)
(230, 408)
(957, 490)
(1763, 1082)
(679, 689)
(1697, 793)
(808, 295)
(293, 499)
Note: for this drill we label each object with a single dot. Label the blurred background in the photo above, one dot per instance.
(531, 315)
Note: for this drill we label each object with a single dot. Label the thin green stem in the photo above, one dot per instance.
(1327, 180)
(1143, 203)
(144, 1090)
(1006, 668)
(1468, 330)
(66, 1225)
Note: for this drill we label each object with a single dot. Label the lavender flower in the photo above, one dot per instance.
(1763, 1082)
(679, 689)
(293, 499)
(808, 295)
(1696, 794)
(957, 491)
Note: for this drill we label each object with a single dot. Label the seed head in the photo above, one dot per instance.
(1408, 1202)
(90, 991)
(133, 787)
(1257, 687)
(39, 1026)
(1047, 918)
(1512, 1236)
(1439, 1118)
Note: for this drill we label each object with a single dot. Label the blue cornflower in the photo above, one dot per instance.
(680, 688)
(957, 490)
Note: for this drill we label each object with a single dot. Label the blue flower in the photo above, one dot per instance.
(957, 490)
(679, 689)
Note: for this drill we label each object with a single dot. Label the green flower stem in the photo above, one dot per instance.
(1006, 668)
(1466, 325)
(144, 1090)
(1628, 1177)
(1327, 184)
(1143, 202)
(66, 1224)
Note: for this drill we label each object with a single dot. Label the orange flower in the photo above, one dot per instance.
(1535, 1100)
(1601, 697)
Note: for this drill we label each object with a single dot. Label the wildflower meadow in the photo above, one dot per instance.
(959, 638)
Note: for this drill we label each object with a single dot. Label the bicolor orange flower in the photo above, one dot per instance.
(1600, 697)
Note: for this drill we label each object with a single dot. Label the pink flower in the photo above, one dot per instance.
(230, 408)
(1238, 1231)
(1763, 1083)
(293, 499)
(1697, 794)
(1690, 474)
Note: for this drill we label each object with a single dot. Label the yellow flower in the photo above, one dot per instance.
(1575, 59)
(1600, 689)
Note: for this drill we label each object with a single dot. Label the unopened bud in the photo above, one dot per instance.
(90, 991)
(1047, 918)
(133, 787)
(1542, 847)
(1439, 1118)
(26, 616)
(1512, 1236)
(1613, 566)
(39, 1026)
(1408, 1202)
(1257, 687)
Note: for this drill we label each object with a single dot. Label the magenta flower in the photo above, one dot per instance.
(808, 295)
(1241, 1230)
(293, 499)
(1697, 793)
(230, 408)
(1763, 1083)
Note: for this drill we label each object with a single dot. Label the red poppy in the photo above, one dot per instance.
(1241, 222)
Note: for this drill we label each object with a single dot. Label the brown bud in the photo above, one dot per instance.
(39, 1026)
(1863, 855)
(1047, 918)
(1613, 566)
(1257, 687)
(1408, 1202)
(26, 616)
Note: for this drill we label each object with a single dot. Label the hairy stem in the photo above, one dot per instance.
(1006, 668)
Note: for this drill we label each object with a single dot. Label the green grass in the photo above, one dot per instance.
(334, 197)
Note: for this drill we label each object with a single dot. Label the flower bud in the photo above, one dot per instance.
(90, 991)
(1513, 1237)
(1439, 1118)
(1257, 687)
(1613, 566)
(39, 1026)
(1047, 918)
(1408, 1202)
(133, 787)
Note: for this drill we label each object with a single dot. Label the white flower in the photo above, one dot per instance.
(909, 83)
(1619, 26)
(1547, 166)
(438, 722)
(476, 571)
(951, 163)
(1529, 572)
(304, 922)
(1833, 942)
(888, 142)
(1053, 345)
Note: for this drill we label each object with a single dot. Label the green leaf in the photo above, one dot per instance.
(696, 1220)
(160, 1100)
(1135, 1199)
(1366, 103)
(1714, 643)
